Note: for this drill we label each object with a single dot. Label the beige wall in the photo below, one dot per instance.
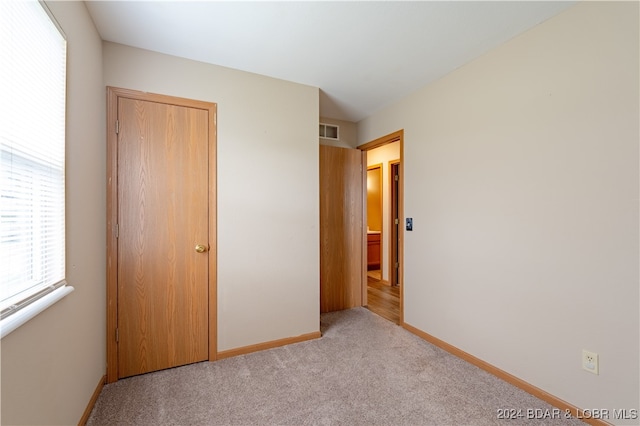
(53, 363)
(268, 201)
(382, 155)
(347, 133)
(521, 174)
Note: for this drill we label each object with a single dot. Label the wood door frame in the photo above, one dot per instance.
(394, 200)
(364, 296)
(397, 136)
(113, 94)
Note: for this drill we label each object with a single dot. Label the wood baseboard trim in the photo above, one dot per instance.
(92, 401)
(509, 378)
(268, 345)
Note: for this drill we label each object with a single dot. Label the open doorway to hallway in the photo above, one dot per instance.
(384, 233)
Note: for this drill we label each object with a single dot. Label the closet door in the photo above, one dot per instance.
(163, 279)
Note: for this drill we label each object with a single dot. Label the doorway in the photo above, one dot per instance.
(374, 221)
(385, 294)
(161, 232)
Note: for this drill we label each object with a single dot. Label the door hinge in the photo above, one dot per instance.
(117, 336)
(396, 221)
(397, 265)
(117, 127)
(116, 230)
(396, 178)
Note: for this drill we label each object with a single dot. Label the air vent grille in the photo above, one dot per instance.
(329, 131)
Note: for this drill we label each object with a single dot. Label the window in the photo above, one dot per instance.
(32, 151)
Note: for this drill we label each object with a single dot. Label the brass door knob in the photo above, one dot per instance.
(201, 248)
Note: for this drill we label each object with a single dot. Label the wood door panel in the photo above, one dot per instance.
(162, 215)
(341, 228)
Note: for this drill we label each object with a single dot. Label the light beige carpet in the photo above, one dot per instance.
(363, 371)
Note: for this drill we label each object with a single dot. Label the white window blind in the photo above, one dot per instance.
(32, 153)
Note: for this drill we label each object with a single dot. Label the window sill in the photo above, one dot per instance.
(14, 321)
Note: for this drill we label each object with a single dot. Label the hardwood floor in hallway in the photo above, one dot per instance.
(383, 300)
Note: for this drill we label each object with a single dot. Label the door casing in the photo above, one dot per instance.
(113, 94)
(394, 243)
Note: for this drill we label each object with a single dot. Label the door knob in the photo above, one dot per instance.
(201, 248)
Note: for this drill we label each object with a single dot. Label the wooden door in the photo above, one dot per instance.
(164, 235)
(342, 233)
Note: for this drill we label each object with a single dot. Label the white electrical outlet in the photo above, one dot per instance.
(590, 361)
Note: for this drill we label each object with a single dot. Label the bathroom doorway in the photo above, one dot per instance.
(374, 221)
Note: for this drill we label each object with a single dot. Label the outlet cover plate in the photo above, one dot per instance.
(590, 361)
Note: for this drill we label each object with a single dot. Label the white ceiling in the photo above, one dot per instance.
(362, 55)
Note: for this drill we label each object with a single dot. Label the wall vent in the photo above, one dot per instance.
(329, 131)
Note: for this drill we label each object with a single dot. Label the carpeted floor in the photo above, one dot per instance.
(363, 371)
